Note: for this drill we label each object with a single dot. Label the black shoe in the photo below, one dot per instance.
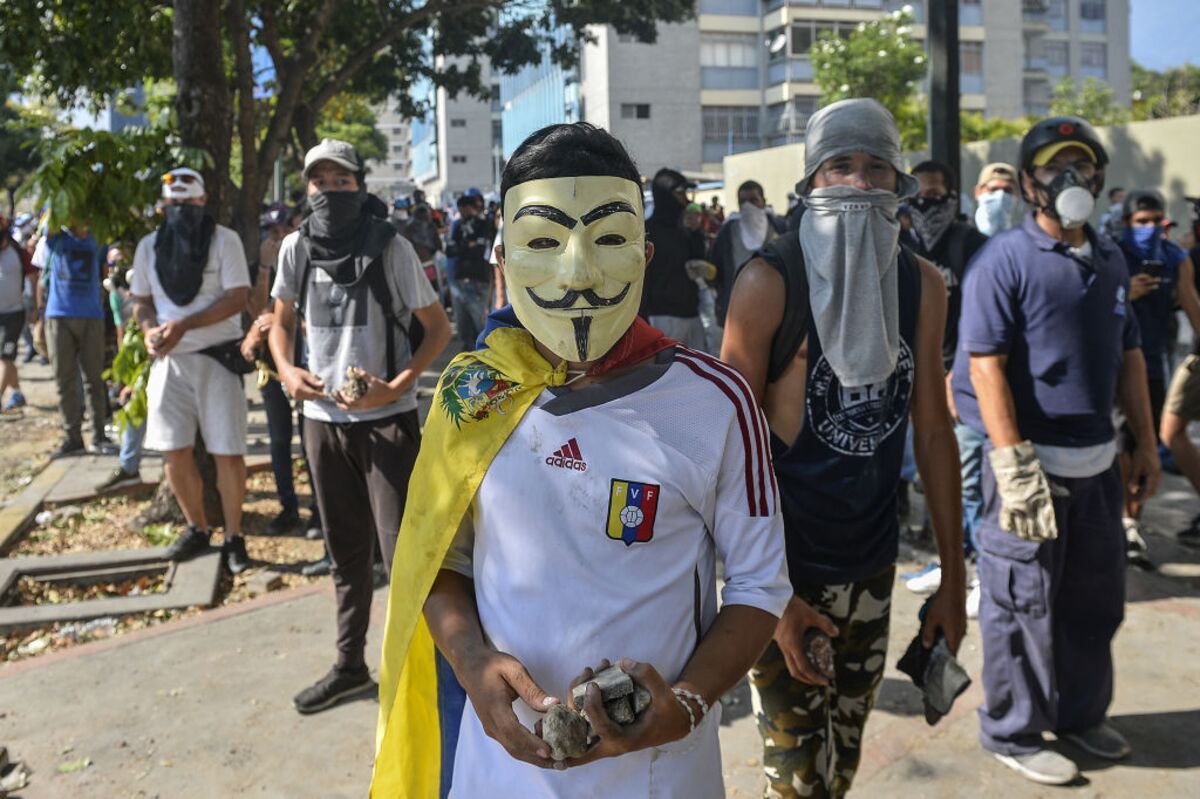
(29, 356)
(118, 479)
(233, 553)
(380, 574)
(287, 521)
(69, 447)
(193, 542)
(318, 568)
(314, 531)
(333, 688)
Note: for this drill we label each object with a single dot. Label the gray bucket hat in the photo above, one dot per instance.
(858, 125)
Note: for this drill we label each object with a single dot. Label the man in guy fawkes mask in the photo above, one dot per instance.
(839, 332)
(190, 285)
(1048, 340)
(360, 291)
(571, 510)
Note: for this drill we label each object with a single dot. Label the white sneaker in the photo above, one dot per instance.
(1045, 766)
(973, 600)
(927, 582)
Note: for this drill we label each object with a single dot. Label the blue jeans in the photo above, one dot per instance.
(452, 699)
(279, 429)
(470, 301)
(970, 455)
(130, 458)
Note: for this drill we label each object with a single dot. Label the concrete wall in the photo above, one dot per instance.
(1162, 154)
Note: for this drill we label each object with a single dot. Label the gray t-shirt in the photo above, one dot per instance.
(345, 326)
(12, 279)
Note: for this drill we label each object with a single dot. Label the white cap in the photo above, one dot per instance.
(182, 184)
(339, 152)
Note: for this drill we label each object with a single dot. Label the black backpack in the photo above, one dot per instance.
(377, 283)
(786, 256)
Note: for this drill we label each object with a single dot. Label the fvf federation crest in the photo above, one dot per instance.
(631, 510)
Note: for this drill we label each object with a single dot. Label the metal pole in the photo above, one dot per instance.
(944, 133)
(277, 191)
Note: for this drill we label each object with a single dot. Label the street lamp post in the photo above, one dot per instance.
(944, 132)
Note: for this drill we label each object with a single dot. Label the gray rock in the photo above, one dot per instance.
(819, 651)
(613, 684)
(566, 731)
(354, 386)
(641, 699)
(620, 709)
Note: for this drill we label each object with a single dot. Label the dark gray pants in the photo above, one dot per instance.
(360, 477)
(1048, 614)
(77, 346)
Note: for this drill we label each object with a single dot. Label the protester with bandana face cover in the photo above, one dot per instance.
(1155, 267)
(190, 284)
(359, 290)
(1047, 341)
(864, 360)
(739, 238)
(583, 472)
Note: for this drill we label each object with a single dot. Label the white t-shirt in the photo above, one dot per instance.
(595, 534)
(345, 326)
(226, 269)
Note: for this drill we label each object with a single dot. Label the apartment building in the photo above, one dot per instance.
(391, 177)
(738, 77)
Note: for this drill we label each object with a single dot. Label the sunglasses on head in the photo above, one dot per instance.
(170, 178)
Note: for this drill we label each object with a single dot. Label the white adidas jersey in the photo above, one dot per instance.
(595, 535)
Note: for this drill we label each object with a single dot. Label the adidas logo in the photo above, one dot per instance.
(568, 457)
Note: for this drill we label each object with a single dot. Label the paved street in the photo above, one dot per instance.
(202, 707)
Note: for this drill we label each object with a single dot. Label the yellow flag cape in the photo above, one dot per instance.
(480, 399)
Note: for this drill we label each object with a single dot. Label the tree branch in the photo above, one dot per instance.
(239, 31)
(270, 35)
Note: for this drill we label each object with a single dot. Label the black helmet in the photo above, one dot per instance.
(1061, 129)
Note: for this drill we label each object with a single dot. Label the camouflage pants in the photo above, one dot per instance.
(812, 735)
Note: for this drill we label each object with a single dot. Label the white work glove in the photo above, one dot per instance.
(1026, 507)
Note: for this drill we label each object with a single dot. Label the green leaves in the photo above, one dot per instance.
(131, 367)
(877, 59)
(1091, 99)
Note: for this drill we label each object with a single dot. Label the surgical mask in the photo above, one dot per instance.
(1142, 239)
(335, 211)
(994, 213)
(575, 261)
(1071, 199)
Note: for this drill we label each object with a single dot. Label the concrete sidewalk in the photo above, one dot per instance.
(202, 707)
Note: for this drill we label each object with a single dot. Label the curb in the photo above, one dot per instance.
(25, 505)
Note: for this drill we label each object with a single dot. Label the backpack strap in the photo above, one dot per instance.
(786, 256)
(376, 278)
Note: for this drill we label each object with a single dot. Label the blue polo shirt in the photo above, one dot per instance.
(1064, 324)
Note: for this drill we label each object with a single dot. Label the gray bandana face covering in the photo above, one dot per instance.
(850, 239)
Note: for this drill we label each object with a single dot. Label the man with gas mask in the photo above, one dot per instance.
(670, 301)
(190, 285)
(570, 514)
(995, 198)
(358, 288)
(1047, 341)
(839, 333)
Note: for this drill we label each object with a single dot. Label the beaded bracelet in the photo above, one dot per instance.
(688, 707)
(695, 697)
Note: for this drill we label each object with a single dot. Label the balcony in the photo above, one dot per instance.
(797, 69)
(730, 8)
(729, 77)
(1035, 66)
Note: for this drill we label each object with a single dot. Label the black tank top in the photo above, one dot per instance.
(838, 480)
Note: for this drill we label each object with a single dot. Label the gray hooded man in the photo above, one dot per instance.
(839, 331)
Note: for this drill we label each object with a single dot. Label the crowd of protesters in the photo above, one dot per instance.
(878, 333)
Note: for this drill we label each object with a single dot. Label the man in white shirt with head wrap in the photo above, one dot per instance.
(839, 332)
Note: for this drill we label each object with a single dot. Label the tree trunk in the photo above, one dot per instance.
(164, 508)
(202, 102)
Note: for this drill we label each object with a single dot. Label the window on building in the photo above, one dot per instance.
(970, 58)
(398, 166)
(728, 50)
(806, 32)
(397, 148)
(497, 132)
(723, 123)
(1056, 14)
(397, 131)
(635, 111)
(1058, 56)
(458, 159)
(458, 123)
(1092, 16)
(1093, 59)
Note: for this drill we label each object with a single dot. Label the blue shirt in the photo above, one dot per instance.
(1155, 310)
(1064, 324)
(74, 283)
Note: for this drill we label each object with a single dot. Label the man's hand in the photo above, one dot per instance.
(1144, 472)
(379, 392)
(948, 613)
(493, 680)
(1026, 507)
(1141, 285)
(162, 339)
(251, 343)
(797, 619)
(663, 721)
(950, 396)
(302, 384)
